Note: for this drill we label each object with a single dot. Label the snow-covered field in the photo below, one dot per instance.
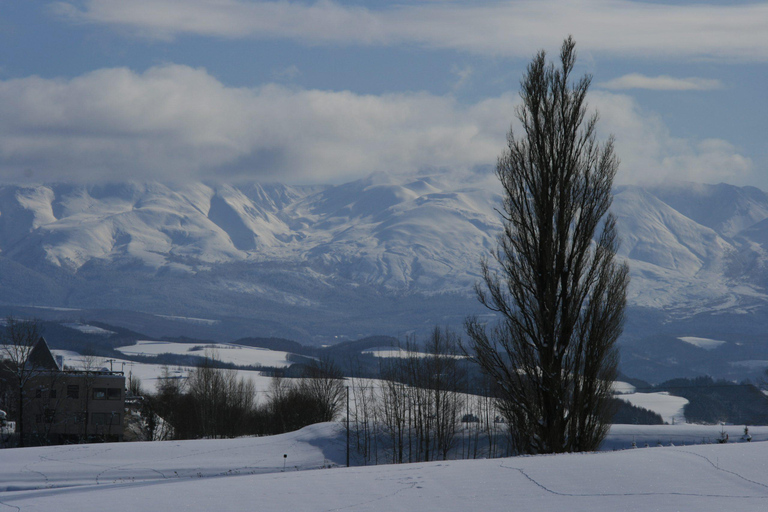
(150, 373)
(240, 355)
(669, 407)
(387, 352)
(248, 474)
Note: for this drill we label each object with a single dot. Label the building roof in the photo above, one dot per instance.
(41, 357)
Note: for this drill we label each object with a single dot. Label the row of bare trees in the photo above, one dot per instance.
(420, 408)
(214, 402)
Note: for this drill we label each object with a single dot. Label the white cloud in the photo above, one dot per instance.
(649, 153)
(174, 123)
(661, 83)
(516, 28)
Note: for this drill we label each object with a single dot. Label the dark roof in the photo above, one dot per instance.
(41, 356)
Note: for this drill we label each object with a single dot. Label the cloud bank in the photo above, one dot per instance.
(176, 123)
(661, 83)
(508, 28)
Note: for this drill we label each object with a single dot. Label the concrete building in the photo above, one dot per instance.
(70, 406)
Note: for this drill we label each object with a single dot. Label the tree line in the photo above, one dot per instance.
(214, 402)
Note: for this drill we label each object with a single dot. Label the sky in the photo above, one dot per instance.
(330, 91)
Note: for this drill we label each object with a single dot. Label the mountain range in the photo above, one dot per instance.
(382, 255)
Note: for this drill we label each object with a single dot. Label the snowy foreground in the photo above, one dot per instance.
(247, 474)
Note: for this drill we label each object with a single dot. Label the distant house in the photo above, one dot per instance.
(70, 406)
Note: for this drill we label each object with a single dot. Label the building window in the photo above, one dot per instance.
(38, 393)
(49, 415)
(52, 393)
(107, 393)
(73, 391)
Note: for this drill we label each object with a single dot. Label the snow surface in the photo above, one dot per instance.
(247, 474)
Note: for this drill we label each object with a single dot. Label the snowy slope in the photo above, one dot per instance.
(246, 474)
(381, 255)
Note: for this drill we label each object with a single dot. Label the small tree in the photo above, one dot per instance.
(558, 290)
(169, 403)
(323, 381)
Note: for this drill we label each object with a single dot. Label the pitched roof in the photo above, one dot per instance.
(41, 356)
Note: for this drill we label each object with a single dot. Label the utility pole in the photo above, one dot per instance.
(347, 426)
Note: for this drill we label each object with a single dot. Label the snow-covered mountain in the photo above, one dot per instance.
(419, 235)
(385, 255)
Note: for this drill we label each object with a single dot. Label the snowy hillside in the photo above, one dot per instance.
(248, 474)
(382, 255)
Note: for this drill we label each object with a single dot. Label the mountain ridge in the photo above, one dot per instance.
(381, 255)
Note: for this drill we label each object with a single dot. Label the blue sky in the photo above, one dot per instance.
(309, 92)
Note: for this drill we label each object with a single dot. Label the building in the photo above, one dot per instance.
(70, 406)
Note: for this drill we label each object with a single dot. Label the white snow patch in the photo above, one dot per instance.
(88, 329)
(705, 343)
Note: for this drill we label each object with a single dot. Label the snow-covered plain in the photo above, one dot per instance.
(669, 407)
(240, 355)
(247, 474)
(149, 373)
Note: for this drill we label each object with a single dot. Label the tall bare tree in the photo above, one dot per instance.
(16, 344)
(558, 289)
